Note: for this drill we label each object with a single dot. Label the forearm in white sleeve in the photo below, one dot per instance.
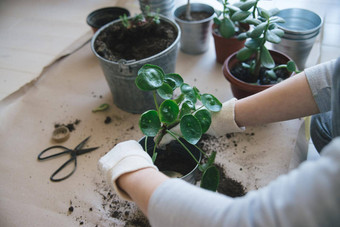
(307, 196)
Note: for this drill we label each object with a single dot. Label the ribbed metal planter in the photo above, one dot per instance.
(121, 74)
(164, 7)
(301, 29)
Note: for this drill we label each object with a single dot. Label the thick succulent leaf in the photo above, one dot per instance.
(272, 37)
(278, 32)
(210, 179)
(258, 30)
(227, 28)
(277, 19)
(253, 21)
(271, 74)
(185, 109)
(244, 54)
(273, 11)
(149, 77)
(233, 8)
(149, 123)
(165, 91)
(204, 118)
(247, 5)
(189, 93)
(263, 13)
(253, 44)
(242, 36)
(240, 15)
(190, 128)
(175, 78)
(266, 59)
(291, 67)
(211, 102)
(168, 111)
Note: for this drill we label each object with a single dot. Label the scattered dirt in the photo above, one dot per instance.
(70, 126)
(135, 43)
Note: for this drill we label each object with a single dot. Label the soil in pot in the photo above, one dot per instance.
(138, 42)
(244, 74)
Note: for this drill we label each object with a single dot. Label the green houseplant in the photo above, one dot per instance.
(227, 25)
(194, 122)
(254, 65)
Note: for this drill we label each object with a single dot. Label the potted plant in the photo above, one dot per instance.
(195, 21)
(228, 24)
(182, 110)
(255, 68)
(125, 45)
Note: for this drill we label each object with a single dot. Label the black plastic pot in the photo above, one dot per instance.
(100, 17)
(174, 156)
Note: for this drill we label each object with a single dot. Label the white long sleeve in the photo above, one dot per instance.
(307, 196)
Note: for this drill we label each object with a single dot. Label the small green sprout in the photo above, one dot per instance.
(102, 107)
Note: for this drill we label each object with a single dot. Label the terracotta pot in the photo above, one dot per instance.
(225, 47)
(242, 89)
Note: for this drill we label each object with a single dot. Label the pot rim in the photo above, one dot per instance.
(141, 61)
(231, 78)
(106, 10)
(186, 175)
(197, 21)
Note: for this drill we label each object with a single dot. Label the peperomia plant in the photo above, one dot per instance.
(182, 110)
(229, 20)
(265, 29)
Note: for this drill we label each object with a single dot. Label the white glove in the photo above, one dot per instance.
(222, 122)
(125, 157)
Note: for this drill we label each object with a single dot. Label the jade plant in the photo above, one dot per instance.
(182, 110)
(265, 29)
(229, 20)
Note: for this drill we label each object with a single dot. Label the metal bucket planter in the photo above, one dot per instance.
(121, 74)
(301, 29)
(241, 89)
(163, 7)
(171, 165)
(195, 34)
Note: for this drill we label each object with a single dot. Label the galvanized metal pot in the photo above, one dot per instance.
(195, 34)
(301, 29)
(121, 74)
(177, 149)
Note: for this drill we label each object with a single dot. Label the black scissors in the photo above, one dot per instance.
(73, 152)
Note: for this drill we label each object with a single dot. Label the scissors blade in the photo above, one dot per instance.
(83, 151)
(82, 143)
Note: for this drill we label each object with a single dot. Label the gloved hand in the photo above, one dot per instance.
(221, 123)
(125, 157)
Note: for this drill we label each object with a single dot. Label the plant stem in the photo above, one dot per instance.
(187, 13)
(173, 135)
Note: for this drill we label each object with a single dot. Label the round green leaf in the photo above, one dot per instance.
(291, 67)
(165, 91)
(210, 179)
(211, 102)
(204, 118)
(168, 111)
(149, 123)
(191, 129)
(227, 28)
(189, 93)
(244, 54)
(266, 59)
(185, 109)
(149, 77)
(175, 78)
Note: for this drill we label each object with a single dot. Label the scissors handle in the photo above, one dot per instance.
(54, 179)
(66, 151)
